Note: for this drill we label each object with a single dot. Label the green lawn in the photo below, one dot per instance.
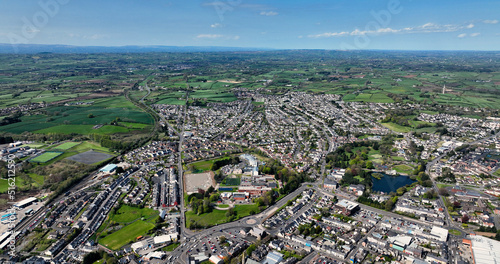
(171, 247)
(497, 173)
(397, 158)
(126, 235)
(35, 145)
(217, 217)
(127, 214)
(66, 146)
(232, 181)
(203, 165)
(38, 181)
(454, 232)
(223, 205)
(45, 157)
(404, 169)
(397, 128)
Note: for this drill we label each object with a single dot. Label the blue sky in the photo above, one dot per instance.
(291, 24)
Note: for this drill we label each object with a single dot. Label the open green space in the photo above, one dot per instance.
(35, 145)
(397, 128)
(80, 120)
(403, 169)
(455, 232)
(83, 129)
(171, 247)
(126, 235)
(66, 145)
(127, 214)
(231, 181)
(46, 157)
(217, 217)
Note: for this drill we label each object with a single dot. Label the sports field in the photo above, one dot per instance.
(67, 145)
(46, 157)
(126, 235)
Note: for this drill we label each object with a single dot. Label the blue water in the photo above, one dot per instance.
(390, 183)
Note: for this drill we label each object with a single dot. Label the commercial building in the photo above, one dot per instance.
(347, 207)
(110, 168)
(484, 250)
(25, 203)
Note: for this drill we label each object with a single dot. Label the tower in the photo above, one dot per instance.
(444, 88)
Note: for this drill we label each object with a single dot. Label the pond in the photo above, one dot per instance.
(389, 183)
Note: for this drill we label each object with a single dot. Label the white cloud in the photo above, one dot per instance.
(463, 35)
(426, 28)
(209, 36)
(216, 25)
(490, 21)
(475, 34)
(217, 36)
(268, 13)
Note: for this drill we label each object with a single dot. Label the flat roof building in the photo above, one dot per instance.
(110, 168)
(347, 206)
(484, 250)
(25, 203)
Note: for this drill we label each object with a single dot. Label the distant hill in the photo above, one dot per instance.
(39, 48)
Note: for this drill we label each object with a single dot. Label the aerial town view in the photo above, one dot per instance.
(249, 132)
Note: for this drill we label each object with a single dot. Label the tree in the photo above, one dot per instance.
(388, 205)
(465, 218)
(443, 192)
(222, 239)
(369, 165)
(90, 115)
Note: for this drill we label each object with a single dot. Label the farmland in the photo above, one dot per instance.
(82, 119)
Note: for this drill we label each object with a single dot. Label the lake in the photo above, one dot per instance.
(389, 183)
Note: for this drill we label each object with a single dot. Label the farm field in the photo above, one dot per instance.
(83, 129)
(81, 119)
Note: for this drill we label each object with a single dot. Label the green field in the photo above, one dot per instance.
(46, 157)
(81, 119)
(82, 147)
(232, 181)
(126, 235)
(397, 128)
(66, 146)
(83, 129)
(217, 217)
(171, 247)
(404, 169)
(35, 145)
(127, 214)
